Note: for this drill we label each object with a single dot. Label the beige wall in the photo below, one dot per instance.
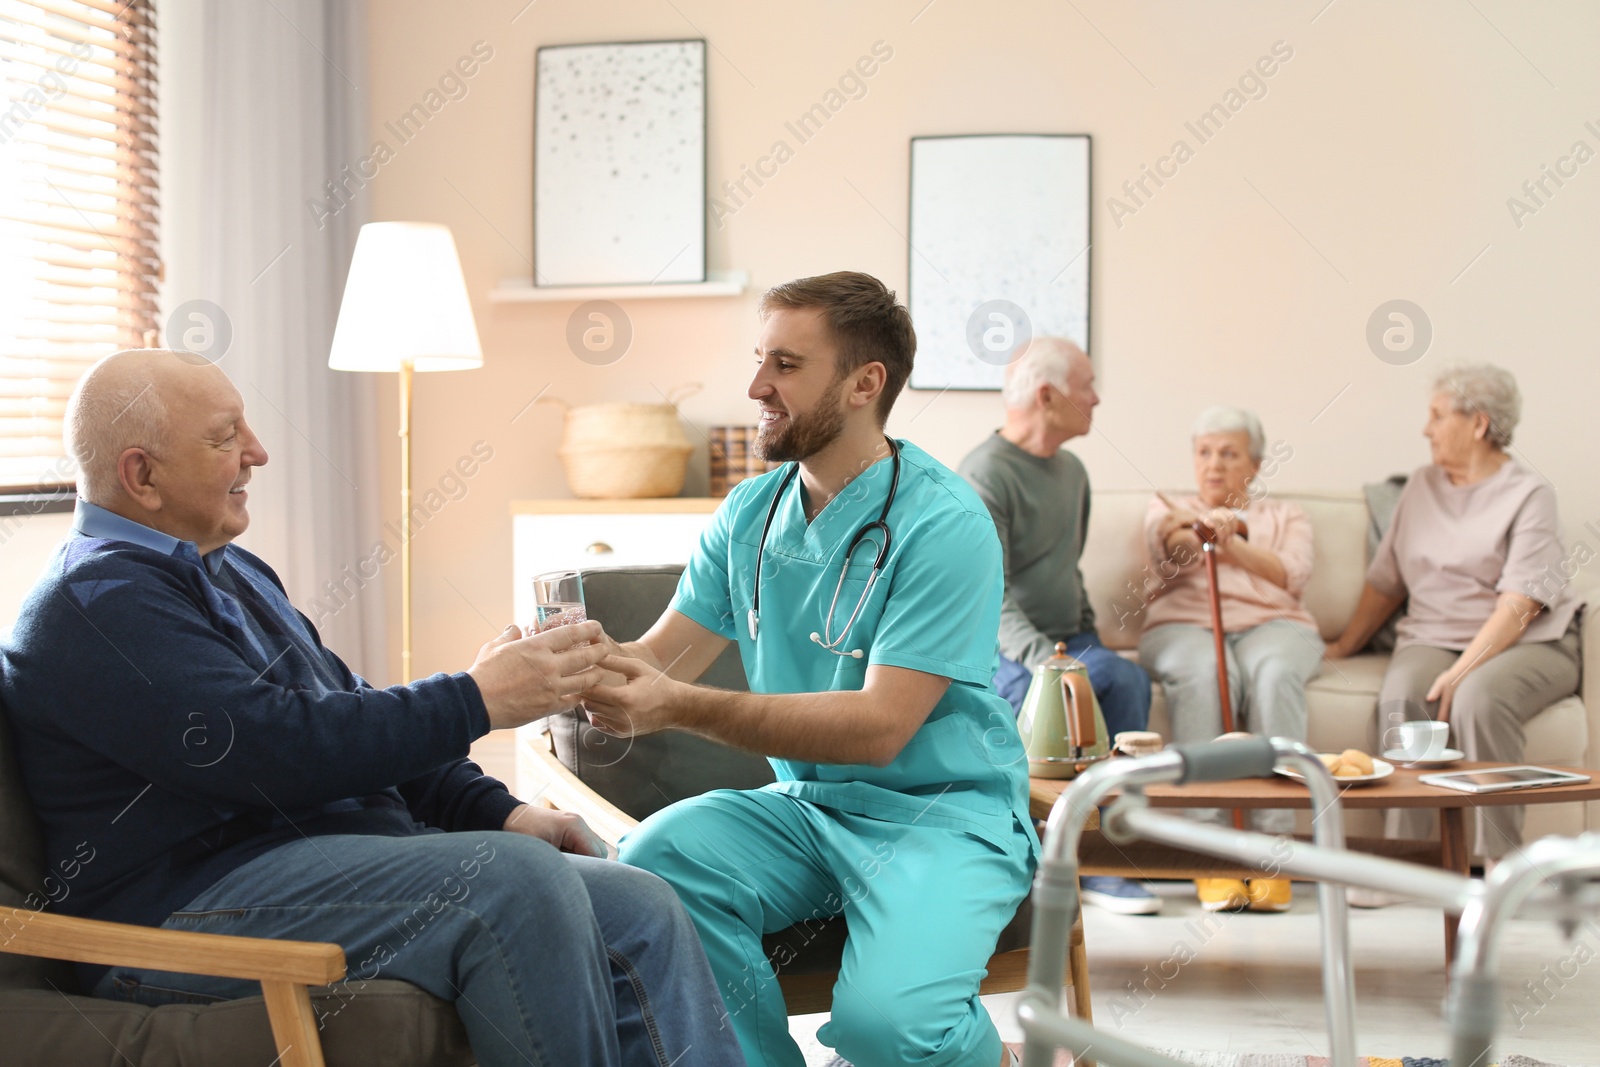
(26, 542)
(1377, 166)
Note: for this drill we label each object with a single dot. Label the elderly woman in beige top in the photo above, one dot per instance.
(1272, 646)
(1486, 642)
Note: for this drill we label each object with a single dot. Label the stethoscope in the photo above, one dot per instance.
(880, 526)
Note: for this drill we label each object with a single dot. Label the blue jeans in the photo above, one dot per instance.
(549, 959)
(1120, 685)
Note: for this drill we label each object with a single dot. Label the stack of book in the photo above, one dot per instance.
(733, 457)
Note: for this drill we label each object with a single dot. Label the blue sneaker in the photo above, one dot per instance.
(1121, 895)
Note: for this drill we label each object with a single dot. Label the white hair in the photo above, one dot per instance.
(1225, 419)
(1043, 361)
(108, 413)
(1483, 387)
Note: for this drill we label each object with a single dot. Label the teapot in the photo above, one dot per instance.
(1060, 723)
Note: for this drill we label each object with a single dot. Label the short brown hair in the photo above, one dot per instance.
(867, 324)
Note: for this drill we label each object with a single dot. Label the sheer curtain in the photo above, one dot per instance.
(282, 112)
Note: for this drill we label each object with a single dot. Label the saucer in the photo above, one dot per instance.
(1443, 759)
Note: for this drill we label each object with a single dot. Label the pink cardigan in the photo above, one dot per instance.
(1247, 600)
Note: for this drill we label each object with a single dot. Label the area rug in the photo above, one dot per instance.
(1283, 1059)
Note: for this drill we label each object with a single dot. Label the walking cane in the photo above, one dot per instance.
(1208, 548)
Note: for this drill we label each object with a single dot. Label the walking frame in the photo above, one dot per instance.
(1551, 879)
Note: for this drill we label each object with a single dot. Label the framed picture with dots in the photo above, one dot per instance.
(998, 252)
(619, 171)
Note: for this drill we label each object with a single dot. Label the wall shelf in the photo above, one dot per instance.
(717, 283)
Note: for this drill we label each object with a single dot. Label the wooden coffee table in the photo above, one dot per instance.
(1144, 859)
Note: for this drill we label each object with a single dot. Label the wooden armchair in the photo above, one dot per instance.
(284, 968)
(46, 1020)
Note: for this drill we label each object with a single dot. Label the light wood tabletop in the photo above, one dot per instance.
(1400, 790)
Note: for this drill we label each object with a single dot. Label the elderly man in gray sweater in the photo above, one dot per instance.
(1038, 494)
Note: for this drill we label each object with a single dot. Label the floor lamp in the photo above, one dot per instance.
(405, 309)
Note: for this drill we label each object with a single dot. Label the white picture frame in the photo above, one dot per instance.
(620, 164)
(999, 251)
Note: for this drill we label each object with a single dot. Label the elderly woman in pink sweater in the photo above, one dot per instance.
(1271, 641)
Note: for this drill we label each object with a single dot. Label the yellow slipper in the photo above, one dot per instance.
(1222, 894)
(1270, 894)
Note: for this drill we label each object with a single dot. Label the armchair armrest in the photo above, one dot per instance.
(557, 787)
(284, 968)
(62, 937)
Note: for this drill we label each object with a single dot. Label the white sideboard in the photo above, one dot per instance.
(553, 535)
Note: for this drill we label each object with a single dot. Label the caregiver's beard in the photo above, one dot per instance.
(803, 436)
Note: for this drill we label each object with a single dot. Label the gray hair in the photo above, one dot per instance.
(108, 413)
(1044, 361)
(1475, 388)
(1224, 419)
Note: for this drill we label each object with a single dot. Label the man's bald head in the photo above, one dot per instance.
(125, 401)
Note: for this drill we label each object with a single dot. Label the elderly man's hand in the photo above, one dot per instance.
(564, 829)
(645, 701)
(523, 678)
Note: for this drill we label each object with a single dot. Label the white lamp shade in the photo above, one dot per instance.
(405, 301)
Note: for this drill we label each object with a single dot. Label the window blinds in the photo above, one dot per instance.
(79, 259)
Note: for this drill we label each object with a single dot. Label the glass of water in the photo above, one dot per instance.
(557, 600)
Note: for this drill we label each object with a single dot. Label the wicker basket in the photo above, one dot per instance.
(626, 451)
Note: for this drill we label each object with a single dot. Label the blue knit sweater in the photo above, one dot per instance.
(176, 717)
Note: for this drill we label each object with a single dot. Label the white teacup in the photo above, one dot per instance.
(1423, 739)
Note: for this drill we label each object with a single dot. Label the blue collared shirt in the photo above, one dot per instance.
(92, 520)
(267, 640)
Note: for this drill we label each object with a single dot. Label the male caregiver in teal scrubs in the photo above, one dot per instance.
(902, 794)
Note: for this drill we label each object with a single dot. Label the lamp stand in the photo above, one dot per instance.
(405, 522)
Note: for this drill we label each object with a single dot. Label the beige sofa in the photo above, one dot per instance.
(1343, 699)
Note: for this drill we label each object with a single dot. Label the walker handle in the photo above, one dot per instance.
(1223, 761)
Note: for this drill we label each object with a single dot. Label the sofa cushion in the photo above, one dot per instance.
(1559, 735)
(387, 1024)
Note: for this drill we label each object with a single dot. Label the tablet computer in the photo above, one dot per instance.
(1499, 778)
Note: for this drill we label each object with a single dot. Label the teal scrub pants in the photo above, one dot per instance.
(924, 906)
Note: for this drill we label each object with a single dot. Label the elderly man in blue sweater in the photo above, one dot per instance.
(319, 808)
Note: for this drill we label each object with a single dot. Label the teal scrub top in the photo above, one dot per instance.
(935, 608)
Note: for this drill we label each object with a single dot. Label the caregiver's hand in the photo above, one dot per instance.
(646, 701)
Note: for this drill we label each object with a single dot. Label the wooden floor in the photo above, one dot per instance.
(1255, 985)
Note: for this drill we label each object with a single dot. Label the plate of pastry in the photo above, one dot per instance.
(1350, 767)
